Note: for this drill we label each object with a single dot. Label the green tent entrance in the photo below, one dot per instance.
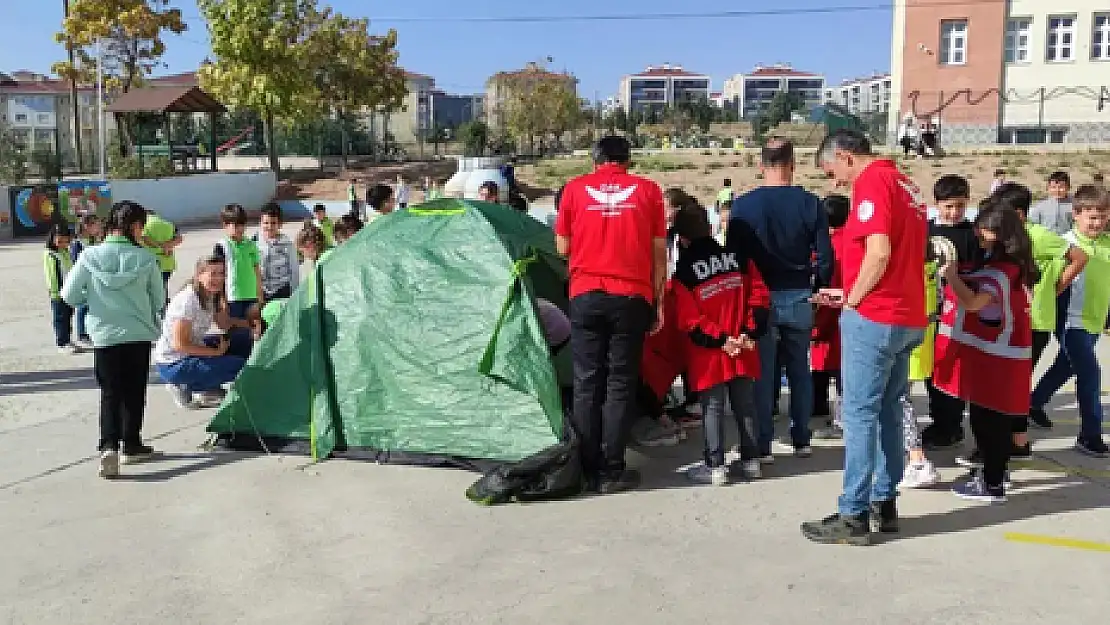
(417, 339)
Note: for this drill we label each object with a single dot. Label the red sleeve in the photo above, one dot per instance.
(563, 216)
(657, 212)
(873, 198)
(759, 297)
(689, 317)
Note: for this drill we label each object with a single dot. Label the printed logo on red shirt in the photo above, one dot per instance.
(611, 198)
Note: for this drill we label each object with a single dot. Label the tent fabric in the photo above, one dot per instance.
(420, 335)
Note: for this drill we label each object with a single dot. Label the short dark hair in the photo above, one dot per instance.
(777, 152)
(692, 222)
(678, 197)
(125, 214)
(233, 214)
(951, 187)
(837, 208)
(490, 186)
(319, 208)
(847, 139)
(1089, 196)
(346, 227)
(728, 182)
(612, 149)
(61, 229)
(1060, 176)
(1014, 196)
(378, 195)
(272, 209)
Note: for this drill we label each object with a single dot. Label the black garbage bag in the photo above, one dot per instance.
(554, 473)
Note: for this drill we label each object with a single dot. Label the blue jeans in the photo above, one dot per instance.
(1076, 357)
(81, 313)
(238, 310)
(62, 319)
(198, 373)
(875, 366)
(787, 338)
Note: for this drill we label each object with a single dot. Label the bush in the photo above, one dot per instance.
(132, 168)
(47, 164)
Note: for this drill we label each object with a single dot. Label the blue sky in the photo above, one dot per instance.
(460, 56)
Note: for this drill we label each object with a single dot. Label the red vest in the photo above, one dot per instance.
(986, 358)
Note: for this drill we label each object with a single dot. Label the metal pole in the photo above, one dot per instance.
(102, 148)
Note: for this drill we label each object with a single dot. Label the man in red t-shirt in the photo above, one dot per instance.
(610, 223)
(883, 320)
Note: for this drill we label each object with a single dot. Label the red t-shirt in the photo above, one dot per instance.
(885, 201)
(611, 218)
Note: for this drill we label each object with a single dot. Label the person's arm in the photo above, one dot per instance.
(690, 320)
(563, 222)
(659, 269)
(1076, 261)
(968, 298)
(562, 245)
(74, 289)
(294, 268)
(156, 289)
(181, 341)
(823, 248)
(259, 295)
(876, 258)
(759, 303)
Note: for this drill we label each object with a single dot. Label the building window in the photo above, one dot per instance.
(1100, 37)
(953, 42)
(1060, 46)
(1017, 39)
(21, 118)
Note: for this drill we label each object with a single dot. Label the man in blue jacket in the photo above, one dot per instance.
(783, 228)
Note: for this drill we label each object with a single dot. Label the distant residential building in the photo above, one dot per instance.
(751, 93)
(39, 111)
(862, 95)
(660, 86)
(450, 110)
(499, 88)
(1022, 71)
(610, 106)
(717, 99)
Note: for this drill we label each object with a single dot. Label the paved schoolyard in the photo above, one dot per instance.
(199, 538)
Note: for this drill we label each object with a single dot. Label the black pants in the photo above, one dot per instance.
(992, 438)
(822, 407)
(121, 372)
(946, 412)
(62, 314)
(607, 341)
(1040, 342)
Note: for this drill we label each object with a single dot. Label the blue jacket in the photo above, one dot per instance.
(781, 229)
(122, 285)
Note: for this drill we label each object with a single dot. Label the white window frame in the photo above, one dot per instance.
(1018, 29)
(1053, 50)
(953, 42)
(1100, 52)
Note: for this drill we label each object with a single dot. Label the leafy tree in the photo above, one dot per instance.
(540, 105)
(130, 34)
(474, 136)
(13, 157)
(778, 111)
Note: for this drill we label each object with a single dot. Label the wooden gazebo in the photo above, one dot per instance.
(166, 100)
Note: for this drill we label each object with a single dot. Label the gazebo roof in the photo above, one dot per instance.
(166, 100)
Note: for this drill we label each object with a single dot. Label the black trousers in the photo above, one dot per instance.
(122, 372)
(1040, 342)
(607, 341)
(822, 406)
(947, 412)
(993, 440)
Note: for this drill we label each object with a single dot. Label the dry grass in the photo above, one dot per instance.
(702, 173)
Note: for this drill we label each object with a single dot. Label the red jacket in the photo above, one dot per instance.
(664, 355)
(718, 294)
(825, 352)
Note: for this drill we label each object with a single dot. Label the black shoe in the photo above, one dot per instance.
(933, 439)
(839, 530)
(884, 516)
(974, 460)
(1022, 452)
(1038, 418)
(613, 482)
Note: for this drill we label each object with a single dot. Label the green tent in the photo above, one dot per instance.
(418, 337)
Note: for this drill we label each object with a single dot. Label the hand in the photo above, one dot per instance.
(831, 298)
(167, 249)
(658, 324)
(949, 271)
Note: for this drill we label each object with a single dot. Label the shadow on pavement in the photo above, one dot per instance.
(50, 381)
(191, 463)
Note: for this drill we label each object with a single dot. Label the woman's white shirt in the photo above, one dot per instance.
(184, 306)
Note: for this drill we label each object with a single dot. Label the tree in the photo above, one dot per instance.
(13, 157)
(539, 105)
(130, 34)
(778, 111)
(474, 136)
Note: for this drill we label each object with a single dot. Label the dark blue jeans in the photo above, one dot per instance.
(82, 331)
(62, 314)
(786, 346)
(199, 373)
(1076, 357)
(238, 310)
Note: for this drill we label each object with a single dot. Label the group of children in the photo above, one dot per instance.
(998, 287)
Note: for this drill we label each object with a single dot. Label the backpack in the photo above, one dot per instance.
(554, 473)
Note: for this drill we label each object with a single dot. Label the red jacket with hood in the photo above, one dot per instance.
(718, 294)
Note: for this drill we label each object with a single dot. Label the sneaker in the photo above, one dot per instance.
(974, 473)
(839, 530)
(976, 489)
(829, 433)
(703, 474)
(920, 475)
(85, 343)
(70, 349)
(109, 464)
(181, 396)
(804, 451)
(1022, 452)
(613, 482)
(137, 455)
(1093, 447)
(753, 469)
(1039, 418)
(688, 420)
(974, 460)
(884, 517)
(210, 399)
(767, 458)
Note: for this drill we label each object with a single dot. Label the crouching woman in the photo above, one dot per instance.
(194, 364)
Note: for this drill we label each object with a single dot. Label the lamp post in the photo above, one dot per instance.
(102, 131)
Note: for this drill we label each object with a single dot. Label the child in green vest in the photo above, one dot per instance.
(57, 264)
(244, 262)
(321, 220)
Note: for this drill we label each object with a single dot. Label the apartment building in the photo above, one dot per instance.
(450, 110)
(660, 86)
(1022, 71)
(752, 92)
(39, 111)
(862, 95)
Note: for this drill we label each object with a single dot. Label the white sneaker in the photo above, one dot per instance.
(805, 451)
(109, 464)
(70, 349)
(920, 475)
(701, 474)
(181, 396)
(753, 469)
